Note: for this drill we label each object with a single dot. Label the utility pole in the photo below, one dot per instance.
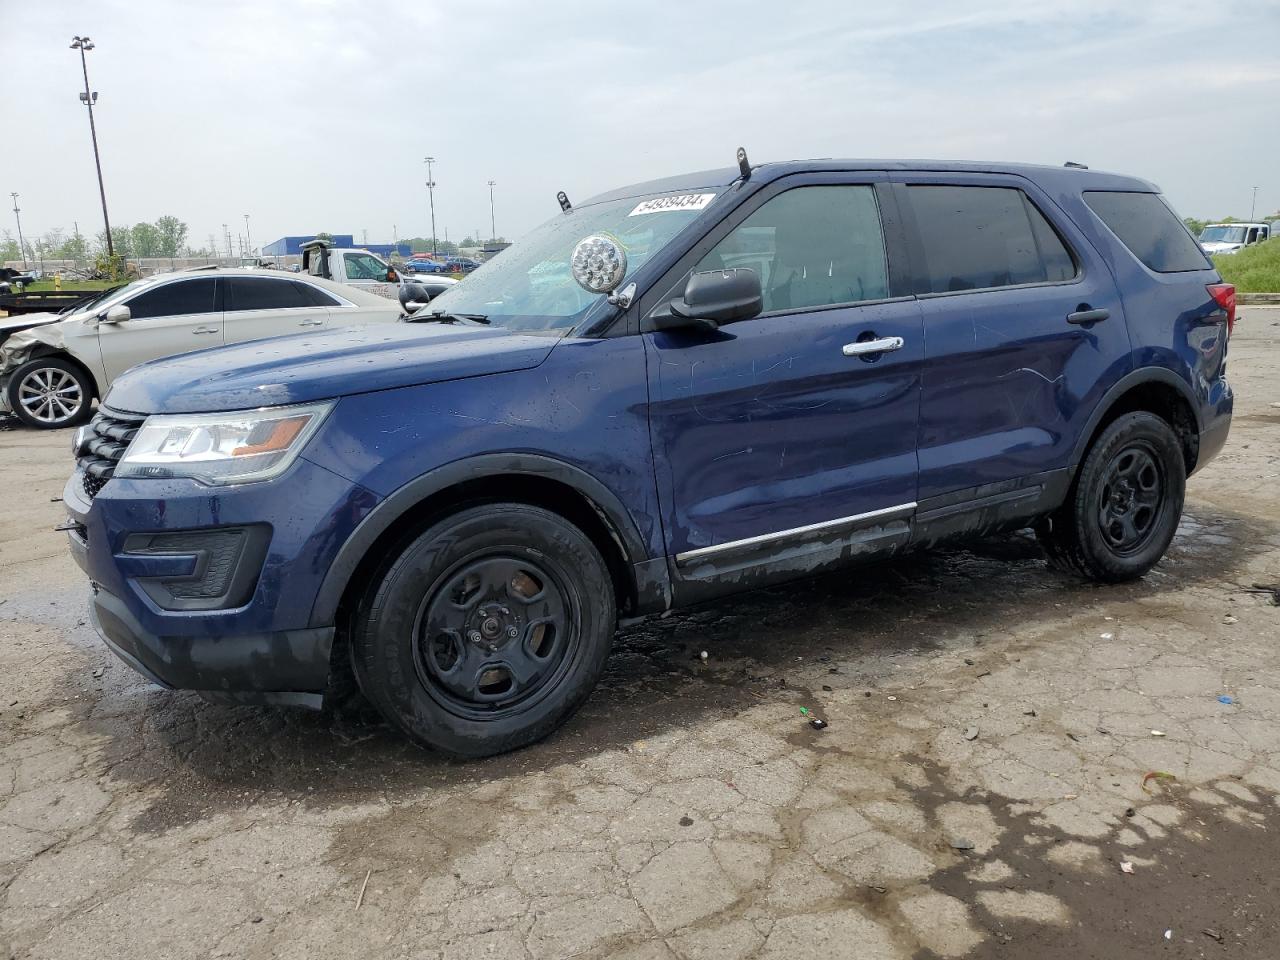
(83, 44)
(248, 238)
(226, 233)
(22, 246)
(1254, 205)
(431, 193)
(493, 230)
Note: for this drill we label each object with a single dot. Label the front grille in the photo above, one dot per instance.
(103, 444)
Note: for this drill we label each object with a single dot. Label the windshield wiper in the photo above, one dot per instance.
(440, 316)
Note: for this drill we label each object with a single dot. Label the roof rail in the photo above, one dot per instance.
(1076, 166)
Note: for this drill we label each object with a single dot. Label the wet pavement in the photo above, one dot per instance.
(978, 785)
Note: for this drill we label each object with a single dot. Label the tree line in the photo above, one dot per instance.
(166, 237)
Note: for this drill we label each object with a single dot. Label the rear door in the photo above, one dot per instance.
(1024, 332)
(258, 307)
(774, 437)
(167, 319)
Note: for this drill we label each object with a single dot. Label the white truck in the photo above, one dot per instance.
(358, 268)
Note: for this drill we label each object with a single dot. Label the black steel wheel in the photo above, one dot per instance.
(487, 631)
(1125, 504)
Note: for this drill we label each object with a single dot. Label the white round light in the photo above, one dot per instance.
(598, 264)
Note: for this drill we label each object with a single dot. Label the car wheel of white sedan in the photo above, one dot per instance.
(49, 392)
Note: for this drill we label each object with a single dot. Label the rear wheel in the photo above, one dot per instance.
(50, 392)
(487, 631)
(1125, 504)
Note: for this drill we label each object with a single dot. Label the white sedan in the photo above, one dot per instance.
(51, 372)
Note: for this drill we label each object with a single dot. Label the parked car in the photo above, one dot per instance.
(461, 264)
(51, 371)
(671, 392)
(1230, 237)
(426, 266)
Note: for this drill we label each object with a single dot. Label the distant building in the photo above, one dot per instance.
(292, 246)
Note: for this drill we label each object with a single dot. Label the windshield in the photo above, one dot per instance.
(96, 298)
(1221, 234)
(528, 286)
(109, 298)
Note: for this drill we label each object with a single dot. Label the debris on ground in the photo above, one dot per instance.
(1224, 698)
(818, 723)
(1156, 775)
(702, 655)
(971, 733)
(1212, 934)
(686, 821)
(826, 688)
(1157, 733)
(1230, 619)
(360, 898)
(1168, 934)
(961, 843)
(1126, 866)
(1106, 636)
(804, 711)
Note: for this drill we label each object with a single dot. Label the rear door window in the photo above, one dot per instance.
(811, 247)
(263, 293)
(314, 296)
(175, 299)
(977, 238)
(1152, 232)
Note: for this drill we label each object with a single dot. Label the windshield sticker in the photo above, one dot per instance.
(685, 201)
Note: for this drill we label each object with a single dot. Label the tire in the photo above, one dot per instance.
(487, 631)
(1125, 504)
(49, 392)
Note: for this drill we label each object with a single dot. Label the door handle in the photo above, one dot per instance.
(310, 323)
(205, 330)
(1087, 315)
(862, 348)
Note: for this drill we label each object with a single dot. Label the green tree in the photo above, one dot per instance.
(73, 248)
(121, 241)
(1194, 224)
(146, 240)
(325, 236)
(172, 234)
(9, 249)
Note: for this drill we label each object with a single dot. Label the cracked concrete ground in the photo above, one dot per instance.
(690, 811)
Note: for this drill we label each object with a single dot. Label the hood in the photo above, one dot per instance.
(24, 321)
(1217, 246)
(334, 363)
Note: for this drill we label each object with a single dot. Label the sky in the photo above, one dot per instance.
(315, 115)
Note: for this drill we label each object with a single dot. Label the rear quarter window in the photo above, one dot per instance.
(1152, 232)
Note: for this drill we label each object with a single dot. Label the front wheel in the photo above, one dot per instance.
(1125, 504)
(487, 631)
(50, 392)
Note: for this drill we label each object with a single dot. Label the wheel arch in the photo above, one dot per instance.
(520, 478)
(1154, 389)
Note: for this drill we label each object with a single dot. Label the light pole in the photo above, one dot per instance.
(247, 237)
(227, 233)
(493, 230)
(83, 44)
(431, 193)
(1254, 205)
(22, 247)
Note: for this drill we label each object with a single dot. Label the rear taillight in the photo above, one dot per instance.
(1224, 295)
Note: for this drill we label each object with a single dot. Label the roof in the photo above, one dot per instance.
(723, 177)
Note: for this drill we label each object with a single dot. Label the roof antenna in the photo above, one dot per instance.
(565, 205)
(743, 165)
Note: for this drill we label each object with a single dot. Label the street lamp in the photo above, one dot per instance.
(1254, 205)
(248, 238)
(431, 191)
(84, 44)
(22, 247)
(493, 231)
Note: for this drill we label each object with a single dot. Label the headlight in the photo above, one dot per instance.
(238, 447)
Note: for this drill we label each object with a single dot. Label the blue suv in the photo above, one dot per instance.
(668, 393)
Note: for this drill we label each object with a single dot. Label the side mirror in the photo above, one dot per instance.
(713, 298)
(117, 314)
(413, 297)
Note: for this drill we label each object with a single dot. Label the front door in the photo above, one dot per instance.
(165, 320)
(782, 436)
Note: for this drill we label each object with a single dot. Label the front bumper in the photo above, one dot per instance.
(264, 650)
